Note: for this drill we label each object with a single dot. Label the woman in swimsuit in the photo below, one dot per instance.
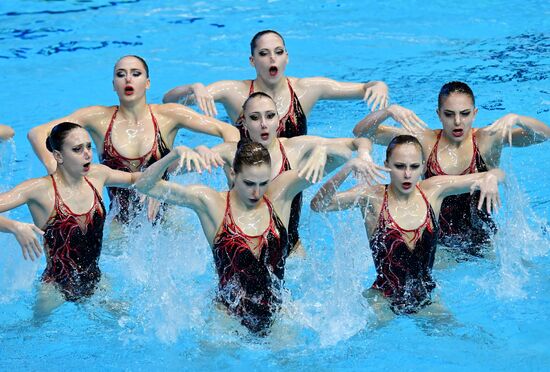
(261, 121)
(401, 218)
(68, 212)
(6, 132)
(455, 150)
(294, 96)
(246, 227)
(134, 134)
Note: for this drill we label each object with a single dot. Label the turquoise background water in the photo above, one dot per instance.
(57, 56)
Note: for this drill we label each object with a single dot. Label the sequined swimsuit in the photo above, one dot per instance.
(127, 201)
(249, 286)
(73, 245)
(462, 225)
(296, 206)
(293, 124)
(404, 273)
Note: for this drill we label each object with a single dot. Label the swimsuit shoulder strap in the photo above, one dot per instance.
(285, 163)
(107, 140)
(251, 89)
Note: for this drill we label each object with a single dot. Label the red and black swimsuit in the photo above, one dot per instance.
(462, 224)
(295, 207)
(249, 286)
(293, 124)
(127, 201)
(404, 273)
(73, 245)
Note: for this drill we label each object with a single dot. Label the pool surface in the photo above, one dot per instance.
(157, 311)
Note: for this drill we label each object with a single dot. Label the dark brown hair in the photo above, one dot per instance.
(257, 95)
(454, 87)
(57, 136)
(250, 153)
(402, 140)
(256, 37)
(145, 66)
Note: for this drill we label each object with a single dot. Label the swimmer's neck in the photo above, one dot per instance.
(273, 146)
(66, 179)
(401, 197)
(134, 111)
(447, 143)
(238, 205)
(273, 90)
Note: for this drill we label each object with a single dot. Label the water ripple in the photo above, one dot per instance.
(66, 11)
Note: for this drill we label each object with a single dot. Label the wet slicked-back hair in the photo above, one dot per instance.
(454, 87)
(256, 95)
(250, 153)
(145, 66)
(256, 37)
(57, 136)
(402, 139)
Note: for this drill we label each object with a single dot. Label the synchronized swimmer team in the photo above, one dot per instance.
(443, 183)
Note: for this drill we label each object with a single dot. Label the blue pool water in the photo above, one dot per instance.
(57, 56)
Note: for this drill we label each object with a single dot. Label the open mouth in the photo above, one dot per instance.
(458, 132)
(86, 167)
(273, 70)
(264, 136)
(406, 185)
(128, 90)
(253, 201)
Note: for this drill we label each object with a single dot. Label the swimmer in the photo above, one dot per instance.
(68, 213)
(455, 150)
(246, 227)
(401, 219)
(6, 132)
(132, 135)
(295, 97)
(260, 122)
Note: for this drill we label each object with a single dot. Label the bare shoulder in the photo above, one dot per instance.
(92, 117)
(308, 82)
(36, 188)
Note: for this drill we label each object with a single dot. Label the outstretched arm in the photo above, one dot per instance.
(190, 94)
(6, 132)
(152, 184)
(192, 120)
(37, 136)
(327, 198)
(375, 93)
(371, 127)
(487, 182)
(27, 234)
(519, 131)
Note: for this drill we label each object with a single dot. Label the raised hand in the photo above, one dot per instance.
(204, 100)
(27, 236)
(366, 170)
(407, 118)
(376, 96)
(488, 187)
(504, 126)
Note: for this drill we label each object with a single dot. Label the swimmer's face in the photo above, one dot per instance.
(76, 152)
(269, 58)
(406, 167)
(251, 183)
(130, 79)
(261, 120)
(457, 114)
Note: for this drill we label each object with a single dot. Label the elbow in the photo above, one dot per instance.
(357, 132)
(316, 205)
(32, 135)
(167, 98)
(141, 184)
(6, 132)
